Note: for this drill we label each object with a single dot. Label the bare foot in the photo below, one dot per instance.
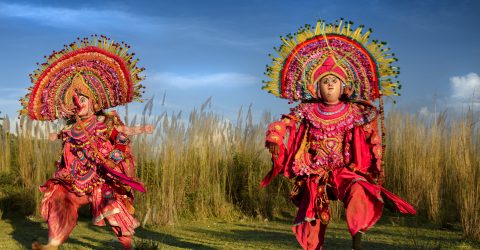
(37, 246)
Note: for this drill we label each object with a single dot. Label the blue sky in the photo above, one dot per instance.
(196, 49)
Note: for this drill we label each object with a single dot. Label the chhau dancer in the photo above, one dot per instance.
(97, 166)
(330, 143)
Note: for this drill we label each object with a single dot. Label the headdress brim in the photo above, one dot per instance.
(109, 72)
(368, 65)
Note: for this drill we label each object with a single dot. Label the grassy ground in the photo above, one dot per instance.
(390, 233)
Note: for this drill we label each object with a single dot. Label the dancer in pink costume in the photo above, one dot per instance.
(96, 166)
(330, 143)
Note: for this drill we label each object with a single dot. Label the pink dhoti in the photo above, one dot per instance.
(60, 209)
(363, 203)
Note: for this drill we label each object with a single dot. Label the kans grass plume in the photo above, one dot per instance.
(207, 166)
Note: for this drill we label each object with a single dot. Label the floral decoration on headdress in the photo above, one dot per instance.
(364, 66)
(96, 67)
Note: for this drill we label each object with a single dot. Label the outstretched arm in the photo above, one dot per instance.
(275, 142)
(147, 129)
(53, 136)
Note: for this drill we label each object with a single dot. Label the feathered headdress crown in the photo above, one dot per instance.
(365, 66)
(96, 67)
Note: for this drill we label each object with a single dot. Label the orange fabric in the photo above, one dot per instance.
(363, 210)
(310, 235)
(60, 209)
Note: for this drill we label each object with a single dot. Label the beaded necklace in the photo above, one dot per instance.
(331, 112)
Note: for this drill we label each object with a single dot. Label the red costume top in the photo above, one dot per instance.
(82, 171)
(333, 146)
(80, 168)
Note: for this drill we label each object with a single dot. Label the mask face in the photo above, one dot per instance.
(330, 88)
(85, 105)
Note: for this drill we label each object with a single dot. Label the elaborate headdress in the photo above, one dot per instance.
(96, 67)
(364, 66)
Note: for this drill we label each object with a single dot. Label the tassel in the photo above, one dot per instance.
(382, 124)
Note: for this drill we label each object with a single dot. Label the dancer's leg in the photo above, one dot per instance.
(357, 209)
(125, 240)
(61, 212)
(310, 235)
(362, 211)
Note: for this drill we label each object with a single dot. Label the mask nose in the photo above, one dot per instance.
(76, 100)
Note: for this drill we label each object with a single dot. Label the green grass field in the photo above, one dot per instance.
(390, 233)
(207, 168)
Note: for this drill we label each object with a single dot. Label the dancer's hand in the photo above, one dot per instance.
(148, 129)
(273, 148)
(53, 136)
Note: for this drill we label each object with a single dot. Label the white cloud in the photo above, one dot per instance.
(228, 79)
(9, 107)
(66, 17)
(9, 101)
(87, 18)
(466, 88)
(424, 111)
(12, 93)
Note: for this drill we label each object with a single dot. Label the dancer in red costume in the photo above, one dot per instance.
(97, 166)
(330, 143)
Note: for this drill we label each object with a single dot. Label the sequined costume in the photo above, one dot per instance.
(96, 166)
(85, 179)
(331, 151)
